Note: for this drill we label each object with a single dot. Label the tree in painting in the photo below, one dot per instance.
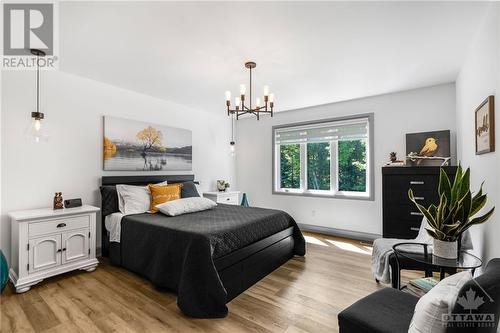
(150, 138)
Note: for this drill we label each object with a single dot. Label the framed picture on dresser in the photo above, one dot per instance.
(485, 126)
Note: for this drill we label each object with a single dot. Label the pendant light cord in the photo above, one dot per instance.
(232, 128)
(38, 83)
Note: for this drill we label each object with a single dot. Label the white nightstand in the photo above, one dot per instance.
(47, 242)
(228, 197)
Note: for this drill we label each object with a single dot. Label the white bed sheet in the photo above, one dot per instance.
(113, 223)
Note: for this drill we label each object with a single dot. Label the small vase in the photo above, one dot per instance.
(444, 249)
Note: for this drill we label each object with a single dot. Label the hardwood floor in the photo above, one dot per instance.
(304, 295)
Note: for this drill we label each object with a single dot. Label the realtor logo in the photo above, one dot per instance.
(28, 26)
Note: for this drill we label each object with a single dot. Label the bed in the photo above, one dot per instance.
(207, 258)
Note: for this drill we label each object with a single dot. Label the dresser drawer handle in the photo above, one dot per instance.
(417, 182)
(414, 229)
(227, 199)
(419, 198)
(59, 250)
(416, 214)
(61, 225)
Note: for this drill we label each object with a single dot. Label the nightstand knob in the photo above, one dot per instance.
(61, 225)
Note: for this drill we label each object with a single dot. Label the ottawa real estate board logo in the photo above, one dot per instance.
(28, 26)
(474, 309)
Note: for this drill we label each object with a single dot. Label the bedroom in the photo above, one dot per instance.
(348, 83)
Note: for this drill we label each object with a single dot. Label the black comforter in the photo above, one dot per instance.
(180, 251)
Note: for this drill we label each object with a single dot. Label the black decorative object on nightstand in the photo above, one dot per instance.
(401, 219)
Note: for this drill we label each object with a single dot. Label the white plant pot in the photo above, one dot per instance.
(443, 249)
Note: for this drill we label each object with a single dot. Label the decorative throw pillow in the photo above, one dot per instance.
(189, 190)
(440, 300)
(109, 197)
(163, 193)
(133, 192)
(186, 205)
(133, 199)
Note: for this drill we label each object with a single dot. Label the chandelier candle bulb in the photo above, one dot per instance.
(237, 102)
(266, 90)
(271, 98)
(257, 102)
(228, 95)
(243, 89)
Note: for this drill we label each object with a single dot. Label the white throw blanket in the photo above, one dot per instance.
(382, 249)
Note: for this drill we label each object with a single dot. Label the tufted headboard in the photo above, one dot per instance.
(109, 196)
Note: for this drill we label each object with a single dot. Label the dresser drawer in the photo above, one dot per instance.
(58, 225)
(415, 182)
(402, 229)
(403, 212)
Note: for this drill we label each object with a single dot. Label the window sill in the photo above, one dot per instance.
(364, 197)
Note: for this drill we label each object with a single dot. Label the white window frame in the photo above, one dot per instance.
(333, 192)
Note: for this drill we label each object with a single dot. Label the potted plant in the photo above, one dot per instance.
(455, 212)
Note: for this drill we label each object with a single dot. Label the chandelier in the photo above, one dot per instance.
(240, 108)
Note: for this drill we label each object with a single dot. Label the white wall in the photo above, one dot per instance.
(478, 78)
(426, 109)
(71, 161)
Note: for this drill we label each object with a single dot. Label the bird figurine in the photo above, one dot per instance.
(429, 148)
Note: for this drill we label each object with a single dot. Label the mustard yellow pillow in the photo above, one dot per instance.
(163, 193)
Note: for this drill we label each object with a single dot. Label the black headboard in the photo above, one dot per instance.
(144, 180)
(131, 180)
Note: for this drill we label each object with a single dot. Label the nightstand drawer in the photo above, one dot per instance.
(231, 199)
(58, 225)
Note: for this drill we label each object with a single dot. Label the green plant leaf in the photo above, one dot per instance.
(467, 204)
(480, 193)
(455, 188)
(477, 204)
(477, 220)
(432, 209)
(430, 218)
(464, 184)
(444, 184)
(432, 233)
(440, 211)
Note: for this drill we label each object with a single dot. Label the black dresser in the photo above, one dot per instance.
(401, 219)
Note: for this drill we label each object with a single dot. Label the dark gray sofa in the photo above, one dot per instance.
(390, 310)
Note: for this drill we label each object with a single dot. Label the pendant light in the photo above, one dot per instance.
(232, 144)
(36, 131)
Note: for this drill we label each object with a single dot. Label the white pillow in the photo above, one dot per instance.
(134, 199)
(440, 300)
(127, 188)
(186, 205)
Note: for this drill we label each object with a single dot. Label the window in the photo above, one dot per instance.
(329, 158)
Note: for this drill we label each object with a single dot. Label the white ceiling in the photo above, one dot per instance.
(309, 53)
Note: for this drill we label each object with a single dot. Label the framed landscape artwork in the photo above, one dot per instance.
(131, 145)
(485, 126)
